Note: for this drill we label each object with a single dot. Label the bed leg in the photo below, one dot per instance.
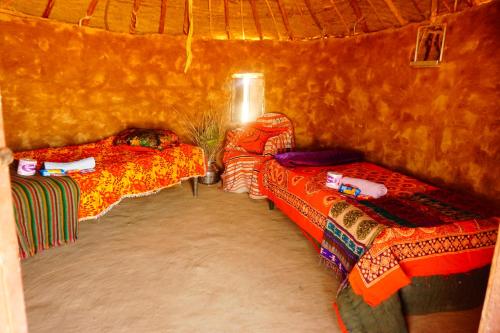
(195, 186)
(270, 204)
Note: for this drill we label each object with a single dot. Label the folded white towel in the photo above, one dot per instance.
(86, 163)
(366, 187)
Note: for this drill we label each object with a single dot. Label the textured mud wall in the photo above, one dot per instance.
(441, 124)
(62, 85)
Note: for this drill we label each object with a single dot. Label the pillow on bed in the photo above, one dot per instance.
(147, 138)
(319, 158)
(136, 148)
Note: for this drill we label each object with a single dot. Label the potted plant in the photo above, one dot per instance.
(207, 131)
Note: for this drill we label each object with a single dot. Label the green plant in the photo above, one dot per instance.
(207, 131)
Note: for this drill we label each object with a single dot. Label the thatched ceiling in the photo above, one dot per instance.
(241, 19)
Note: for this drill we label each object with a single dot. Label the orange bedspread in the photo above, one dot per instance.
(415, 230)
(122, 173)
(301, 192)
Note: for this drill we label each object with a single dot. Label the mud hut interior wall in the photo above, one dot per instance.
(65, 85)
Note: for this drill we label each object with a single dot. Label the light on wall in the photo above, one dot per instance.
(247, 102)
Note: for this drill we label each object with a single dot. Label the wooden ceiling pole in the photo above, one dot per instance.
(415, 4)
(339, 14)
(395, 12)
(274, 19)
(447, 5)
(133, 16)
(314, 17)
(299, 9)
(376, 11)
(210, 16)
(90, 11)
(242, 23)
(163, 13)
(106, 10)
(256, 19)
(48, 9)
(284, 15)
(359, 15)
(226, 18)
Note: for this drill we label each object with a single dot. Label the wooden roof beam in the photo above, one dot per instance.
(376, 11)
(133, 16)
(210, 17)
(106, 11)
(274, 19)
(256, 19)
(284, 15)
(447, 5)
(90, 11)
(299, 10)
(395, 12)
(359, 15)
(48, 8)
(163, 13)
(314, 17)
(241, 17)
(226, 18)
(415, 4)
(340, 17)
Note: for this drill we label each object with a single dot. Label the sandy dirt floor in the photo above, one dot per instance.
(173, 263)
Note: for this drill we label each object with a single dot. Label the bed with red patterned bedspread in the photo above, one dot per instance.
(122, 172)
(381, 245)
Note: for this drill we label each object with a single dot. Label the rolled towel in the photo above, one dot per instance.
(366, 187)
(86, 163)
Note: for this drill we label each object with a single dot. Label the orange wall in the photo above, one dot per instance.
(442, 124)
(62, 85)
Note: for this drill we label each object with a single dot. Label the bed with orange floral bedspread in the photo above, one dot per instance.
(379, 246)
(121, 172)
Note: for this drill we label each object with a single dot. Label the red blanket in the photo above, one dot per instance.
(415, 230)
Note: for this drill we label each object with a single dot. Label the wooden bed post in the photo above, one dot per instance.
(12, 312)
(270, 204)
(195, 186)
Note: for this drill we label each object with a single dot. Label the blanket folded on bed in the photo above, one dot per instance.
(318, 158)
(86, 163)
